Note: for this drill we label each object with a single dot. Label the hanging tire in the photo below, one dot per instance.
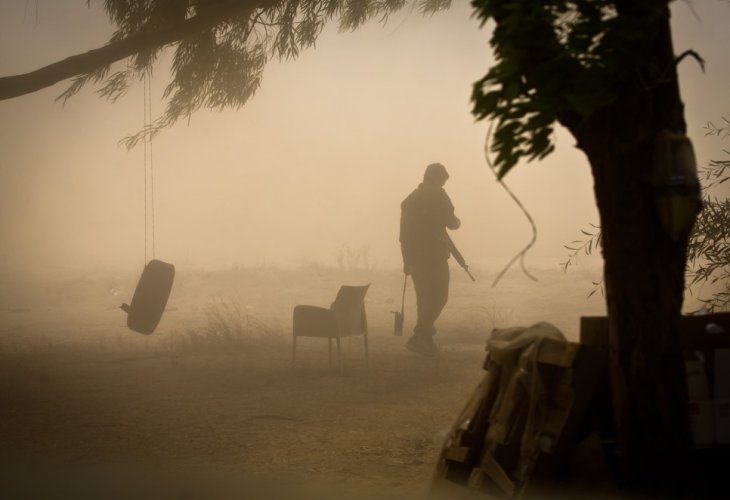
(150, 297)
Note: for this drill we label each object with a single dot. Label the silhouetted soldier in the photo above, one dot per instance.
(425, 215)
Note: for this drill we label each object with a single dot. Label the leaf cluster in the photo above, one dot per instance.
(582, 246)
(708, 252)
(221, 66)
(709, 249)
(556, 60)
(585, 247)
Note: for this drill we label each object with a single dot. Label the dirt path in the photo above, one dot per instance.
(248, 413)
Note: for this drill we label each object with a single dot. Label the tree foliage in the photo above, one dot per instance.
(220, 48)
(221, 66)
(557, 60)
(590, 241)
(709, 247)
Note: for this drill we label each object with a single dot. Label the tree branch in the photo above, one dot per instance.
(692, 54)
(18, 85)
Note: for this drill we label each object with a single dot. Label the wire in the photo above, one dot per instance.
(152, 165)
(149, 213)
(520, 255)
(144, 124)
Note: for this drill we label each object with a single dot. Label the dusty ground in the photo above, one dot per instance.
(210, 405)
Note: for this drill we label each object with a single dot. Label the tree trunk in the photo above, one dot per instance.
(644, 280)
(644, 277)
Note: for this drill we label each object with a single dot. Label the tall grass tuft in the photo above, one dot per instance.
(228, 326)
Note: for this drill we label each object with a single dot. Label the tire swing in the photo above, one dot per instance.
(153, 288)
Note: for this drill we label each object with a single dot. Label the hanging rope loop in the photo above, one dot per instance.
(520, 255)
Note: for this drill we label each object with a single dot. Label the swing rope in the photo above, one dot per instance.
(153, 288)
(520, 255)
(147, 104)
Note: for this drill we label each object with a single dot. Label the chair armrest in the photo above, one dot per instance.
(314, 321)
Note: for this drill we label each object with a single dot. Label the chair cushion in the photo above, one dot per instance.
(314, 321)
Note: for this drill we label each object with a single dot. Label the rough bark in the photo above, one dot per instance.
(644, 285)
(644, 279)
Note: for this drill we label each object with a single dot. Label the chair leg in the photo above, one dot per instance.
(366, 350)
(339, 358)
(294, 351)
(329, 345)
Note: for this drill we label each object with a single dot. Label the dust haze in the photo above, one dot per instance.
(261, 209)
(319, 159)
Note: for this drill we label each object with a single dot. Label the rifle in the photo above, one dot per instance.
(457, 256)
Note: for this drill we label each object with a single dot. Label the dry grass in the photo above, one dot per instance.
(212, 392)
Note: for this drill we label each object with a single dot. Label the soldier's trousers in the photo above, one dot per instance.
(431, 281)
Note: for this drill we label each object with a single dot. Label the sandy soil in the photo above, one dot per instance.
(209, 406)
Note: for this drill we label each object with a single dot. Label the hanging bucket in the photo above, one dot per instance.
(150, 297)
(398, 326)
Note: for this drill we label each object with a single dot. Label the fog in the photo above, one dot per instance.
(260, 209)
(320, 158)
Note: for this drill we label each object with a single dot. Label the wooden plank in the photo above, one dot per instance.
(590, 366)
(703, 331)
(706, 331)
(457, 454)
(491, 469)
(594, 332)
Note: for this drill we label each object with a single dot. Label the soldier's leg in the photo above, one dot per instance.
(420, 277)
(432, 290)
(440, 289)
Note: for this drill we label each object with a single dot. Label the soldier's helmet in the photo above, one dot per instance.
(435, 174)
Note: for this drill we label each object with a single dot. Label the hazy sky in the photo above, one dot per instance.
(320, 158)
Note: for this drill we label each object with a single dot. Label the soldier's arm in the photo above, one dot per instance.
(451, 221)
